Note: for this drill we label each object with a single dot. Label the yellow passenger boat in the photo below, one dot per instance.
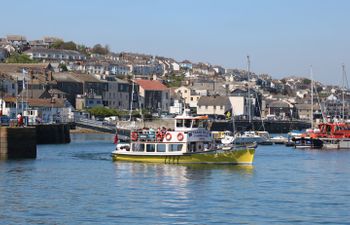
(190, 143)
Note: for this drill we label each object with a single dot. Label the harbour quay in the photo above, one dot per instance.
(21, 142)
(271, 126)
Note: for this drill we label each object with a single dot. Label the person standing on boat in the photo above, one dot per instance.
(116, 139)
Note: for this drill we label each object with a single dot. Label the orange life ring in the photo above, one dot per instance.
(134, 136)
(168, 136)
(180, 136)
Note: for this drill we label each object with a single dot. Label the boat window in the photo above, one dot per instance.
(161, 148)
(195, 123)
(188, 123)
(150, 148)
(202, 124)
(175, 147)
(138, 147)
(179, 123)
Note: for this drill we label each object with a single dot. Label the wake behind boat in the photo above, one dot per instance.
(190, 142)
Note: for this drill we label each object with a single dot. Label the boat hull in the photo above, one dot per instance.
(307, 143)
(336, 143)
(244, 156)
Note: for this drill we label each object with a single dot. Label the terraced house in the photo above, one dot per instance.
(55, 55)
(154, 95)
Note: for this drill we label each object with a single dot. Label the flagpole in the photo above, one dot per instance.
(17, 97)
(22, 94)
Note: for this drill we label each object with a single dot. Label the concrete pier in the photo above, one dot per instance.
(20, 142)
(16, 142)
(53, 134)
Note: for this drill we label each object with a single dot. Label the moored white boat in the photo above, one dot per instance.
(279, 140)
(247, 137)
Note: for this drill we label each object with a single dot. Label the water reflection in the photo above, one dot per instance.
(193, 171)
(91, 137)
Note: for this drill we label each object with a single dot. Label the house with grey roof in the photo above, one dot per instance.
(213, 105)
(280, 108)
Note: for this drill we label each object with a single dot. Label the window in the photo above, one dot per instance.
(175, 147)
(136, 147)
(179, 123)
(206, 107)
(202, 124)
(161, 148)
(150, 148)
(188, 123)
(221, 107)
(191, 98)
(195, 123)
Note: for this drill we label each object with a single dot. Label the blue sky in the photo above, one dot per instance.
(282, 37)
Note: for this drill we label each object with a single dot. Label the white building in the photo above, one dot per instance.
(190, 96)
(55, 55)
(176, 108)
(238, 105)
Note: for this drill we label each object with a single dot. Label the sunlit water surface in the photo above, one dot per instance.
(78, 183)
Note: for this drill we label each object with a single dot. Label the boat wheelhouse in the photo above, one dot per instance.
(189, 142)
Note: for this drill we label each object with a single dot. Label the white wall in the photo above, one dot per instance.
(237, 103)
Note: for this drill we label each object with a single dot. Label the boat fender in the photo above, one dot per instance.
(180, 136)
(168, 136)
(134, 136)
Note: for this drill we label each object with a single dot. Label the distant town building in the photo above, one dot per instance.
(88, 101)
(213, 105)
(154, 95)
(57, 55)
(118, 95)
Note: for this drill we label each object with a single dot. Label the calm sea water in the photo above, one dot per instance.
(78, 183)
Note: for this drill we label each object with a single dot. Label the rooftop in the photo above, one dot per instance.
(213, 100)
(151, 85)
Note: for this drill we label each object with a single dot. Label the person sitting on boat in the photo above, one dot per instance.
(145, 134)
(151, 134)
(163, 131)
(159, 135)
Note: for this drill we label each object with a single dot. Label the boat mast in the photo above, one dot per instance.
(249, 103)
(343, 90)
(132, 97)
(312, 98)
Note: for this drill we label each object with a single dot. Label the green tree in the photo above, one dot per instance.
(175, 80)
(19, 58)
(98, 49)
(102, 111)
(82, 49)
(306, 81)
(69, 46)
(57, 44)
(64, 45)
(63, 67)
